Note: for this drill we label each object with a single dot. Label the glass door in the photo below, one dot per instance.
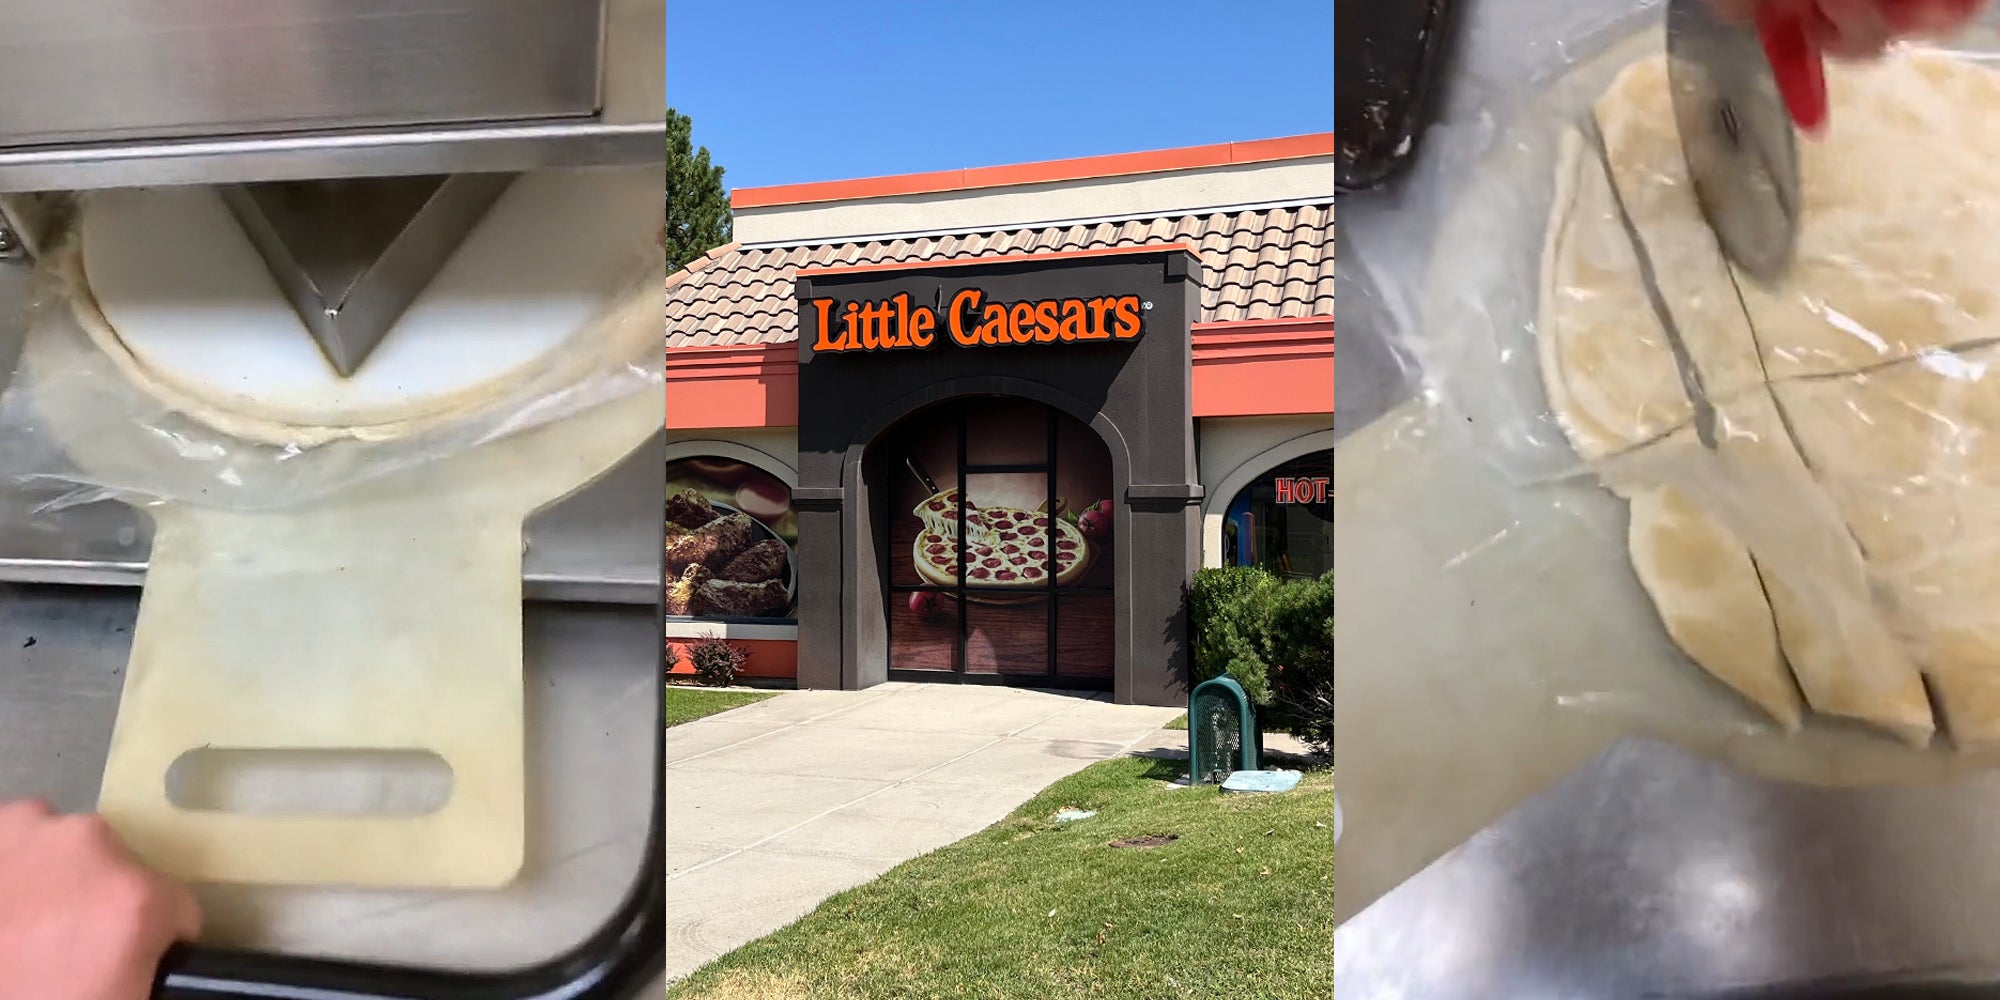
(998, 553)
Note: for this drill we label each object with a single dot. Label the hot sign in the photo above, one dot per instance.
(1304, 489)
(972, 319)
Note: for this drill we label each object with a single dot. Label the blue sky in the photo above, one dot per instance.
(783, 92)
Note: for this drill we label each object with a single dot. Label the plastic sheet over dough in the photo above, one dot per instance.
(1855, 399)
(168, 286)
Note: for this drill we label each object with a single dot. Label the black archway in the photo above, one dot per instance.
(1133, 395)
(997, 540)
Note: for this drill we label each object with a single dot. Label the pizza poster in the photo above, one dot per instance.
(730, 537)
(1000, 542)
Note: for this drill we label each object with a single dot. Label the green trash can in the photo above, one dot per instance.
(1223, 735)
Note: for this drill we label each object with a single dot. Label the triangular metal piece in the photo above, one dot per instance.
(352, 254)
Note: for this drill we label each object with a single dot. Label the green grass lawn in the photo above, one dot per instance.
(684, 704)
(1240, 906)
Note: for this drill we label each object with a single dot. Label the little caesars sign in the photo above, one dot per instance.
(973, 319)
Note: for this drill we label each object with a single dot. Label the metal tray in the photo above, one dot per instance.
(1390, 57)
(1656, 873)
(625, 958)
(587, 917)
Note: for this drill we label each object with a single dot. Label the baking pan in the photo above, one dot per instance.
(1389, 55)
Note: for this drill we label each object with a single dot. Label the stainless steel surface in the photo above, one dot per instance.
(128, 69)
(352, 254)
(1742, 151)
(362, 71)
(1655, 873)
(591, 685)
(27, 219)
(512, 147)
(635, 61)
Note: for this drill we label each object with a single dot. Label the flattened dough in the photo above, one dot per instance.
(1845, 651)
(1651, 177)
(1610, 376)
(186, 306)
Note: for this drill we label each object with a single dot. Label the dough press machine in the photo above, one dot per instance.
(358, 147)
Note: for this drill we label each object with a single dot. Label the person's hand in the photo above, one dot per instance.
(80, 917)
(1859, 29)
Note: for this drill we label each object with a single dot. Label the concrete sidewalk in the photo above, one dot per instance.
(774, 807)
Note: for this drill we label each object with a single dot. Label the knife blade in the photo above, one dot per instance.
(1736, 129)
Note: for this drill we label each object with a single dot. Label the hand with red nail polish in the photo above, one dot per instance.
(80, 917)
(1860, 29)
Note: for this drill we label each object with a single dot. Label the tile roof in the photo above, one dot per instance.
(1274, 263)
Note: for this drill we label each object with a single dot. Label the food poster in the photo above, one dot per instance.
(1014, 621)
(730, 537)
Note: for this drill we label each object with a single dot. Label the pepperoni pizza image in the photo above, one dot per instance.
(1004, 546)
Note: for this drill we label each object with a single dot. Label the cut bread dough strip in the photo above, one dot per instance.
(1606, 365)
(1909, 455)
(1710, 599)
(1848, 660)
(1649, 173)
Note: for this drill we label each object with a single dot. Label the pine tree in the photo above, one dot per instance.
(697, 206)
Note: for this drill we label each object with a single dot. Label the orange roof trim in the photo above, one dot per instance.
(1046, 172)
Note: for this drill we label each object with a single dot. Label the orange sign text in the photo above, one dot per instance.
(970, 319)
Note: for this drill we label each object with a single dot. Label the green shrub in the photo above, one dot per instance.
(1301, 659)
(1226, 612)
(1275, 637)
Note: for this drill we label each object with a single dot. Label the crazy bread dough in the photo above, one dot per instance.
(166, 283)
(1613, 384)
(1909, 452)
(1609, 391)
(1710, 600)
(1612, 380)
(1897, 253)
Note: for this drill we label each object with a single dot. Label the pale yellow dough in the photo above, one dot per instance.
(1858, 398)
(1702, 580)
